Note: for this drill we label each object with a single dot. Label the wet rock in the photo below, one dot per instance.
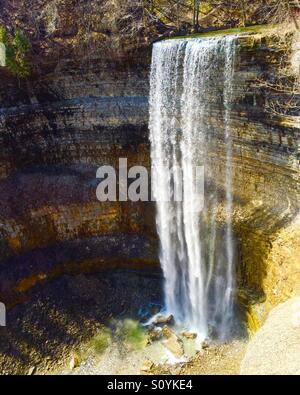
(173, 343)
(167, 332)
(189, 335)
(154, 334)
(163, 319)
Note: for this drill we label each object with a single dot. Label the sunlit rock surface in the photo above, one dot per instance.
(275, 349)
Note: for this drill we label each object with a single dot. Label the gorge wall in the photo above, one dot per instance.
(85, 105)
(80, 109)
(265, 178)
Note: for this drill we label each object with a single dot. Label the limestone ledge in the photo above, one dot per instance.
(83, 130)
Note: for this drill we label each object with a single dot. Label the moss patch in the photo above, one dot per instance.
(132, 334)
(226, 32)
(100, 341)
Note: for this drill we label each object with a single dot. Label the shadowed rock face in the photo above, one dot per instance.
(65, 312)
(86, 105)
(48, 181)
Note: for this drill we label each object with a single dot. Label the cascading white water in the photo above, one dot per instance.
(196, 256)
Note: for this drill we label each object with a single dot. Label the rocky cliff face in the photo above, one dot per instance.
(266, 183)
(86, 105)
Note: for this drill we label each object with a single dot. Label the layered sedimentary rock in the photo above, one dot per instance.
(266, 186)
(86, 104)
(50, 154)
(267, 180)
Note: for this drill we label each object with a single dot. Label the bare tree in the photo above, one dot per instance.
(196, 13)
(281, 89)
(280, 11)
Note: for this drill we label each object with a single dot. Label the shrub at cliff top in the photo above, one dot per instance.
(17, 46)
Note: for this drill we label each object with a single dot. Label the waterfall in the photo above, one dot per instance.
(191, 79)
